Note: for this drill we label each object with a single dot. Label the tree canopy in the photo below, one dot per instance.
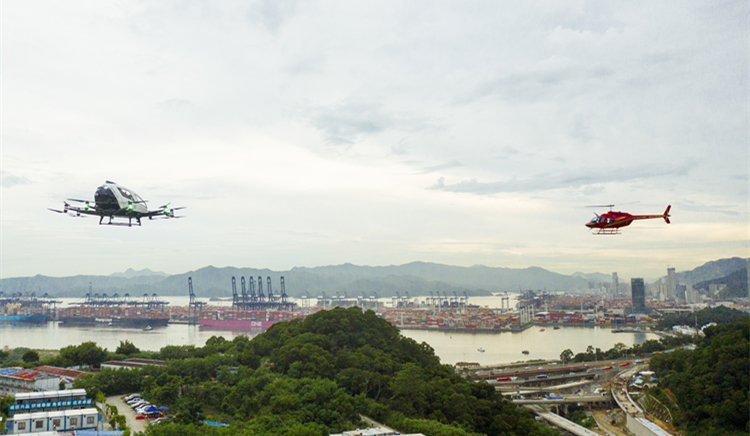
(711, 382)
(315, 376)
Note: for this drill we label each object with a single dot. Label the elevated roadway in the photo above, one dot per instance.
(560, 422)
(589, 399)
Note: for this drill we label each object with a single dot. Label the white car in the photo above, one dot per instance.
(142, 410)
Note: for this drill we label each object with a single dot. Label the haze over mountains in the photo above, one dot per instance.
(415, 278)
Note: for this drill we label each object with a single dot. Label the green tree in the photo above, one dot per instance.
(88, 353)
(127, 348)
(566, 355)
(30, 356)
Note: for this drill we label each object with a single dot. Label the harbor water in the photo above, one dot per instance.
(451, 347)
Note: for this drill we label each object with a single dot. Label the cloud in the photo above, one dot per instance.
(272, 14)
(579, 179)
(7, 180)
(344, 123)
(432, 169)
(399, 150)
(349, 121)
(174, 103)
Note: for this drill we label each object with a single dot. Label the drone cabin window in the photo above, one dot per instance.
(125, 193)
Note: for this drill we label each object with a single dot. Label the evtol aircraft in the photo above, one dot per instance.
(609, 223)
(114, 201)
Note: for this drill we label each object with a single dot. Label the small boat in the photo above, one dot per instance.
(557, 328)
(541, 330)
(525, 351)
(148, 329)
(481, 350)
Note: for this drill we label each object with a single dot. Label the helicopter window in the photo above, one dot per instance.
(595, 220)
(125, 193)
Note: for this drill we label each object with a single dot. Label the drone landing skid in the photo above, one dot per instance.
(608, 232)
(113, 223)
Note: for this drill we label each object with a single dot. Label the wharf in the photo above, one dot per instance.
(494, 330)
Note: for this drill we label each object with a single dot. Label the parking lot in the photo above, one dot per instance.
(136, 425)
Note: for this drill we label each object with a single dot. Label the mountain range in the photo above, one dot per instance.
(415, 278)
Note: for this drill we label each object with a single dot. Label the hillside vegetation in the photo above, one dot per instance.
(314, 376)
(711, 382)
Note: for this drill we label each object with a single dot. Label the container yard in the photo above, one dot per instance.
(224, 317)
(480, 320)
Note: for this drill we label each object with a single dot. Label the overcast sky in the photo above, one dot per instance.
(308, 133)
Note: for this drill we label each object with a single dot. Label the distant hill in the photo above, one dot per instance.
(130, 273)
(417, 278)
(736, 284)
(711, 270)
(594, 277)
(404, 286)
(474, 277)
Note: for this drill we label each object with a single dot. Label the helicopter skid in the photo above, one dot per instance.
(608, 232)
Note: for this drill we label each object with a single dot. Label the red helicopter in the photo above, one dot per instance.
(610, 223)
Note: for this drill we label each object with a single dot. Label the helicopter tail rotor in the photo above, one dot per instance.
(666, 214)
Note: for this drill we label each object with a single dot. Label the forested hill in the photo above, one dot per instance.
(711, 270)
(736, 284)
(710, 383)
(315, 376)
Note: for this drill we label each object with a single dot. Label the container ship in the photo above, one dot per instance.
(118, 316)
(36, 318)
(245, 319)
(17, 313)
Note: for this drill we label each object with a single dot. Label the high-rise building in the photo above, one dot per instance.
(639, 295)
(671, 284)
(615, 284)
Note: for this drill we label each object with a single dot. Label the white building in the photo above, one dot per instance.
(64, 420)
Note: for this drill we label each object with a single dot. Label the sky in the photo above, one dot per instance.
(376, 133)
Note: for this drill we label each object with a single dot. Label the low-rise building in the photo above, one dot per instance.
(133, 363)
(67, 420)
(49, 401)
(15, 380)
